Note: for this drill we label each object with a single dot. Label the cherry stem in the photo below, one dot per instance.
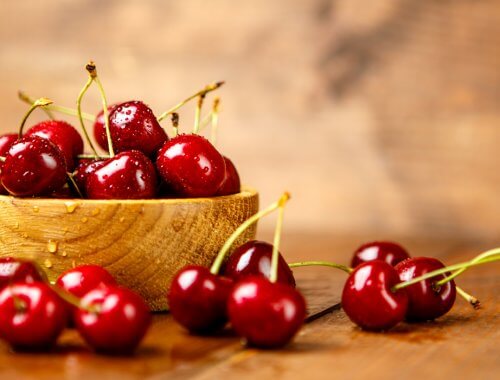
(42, 102)
(277, 238)
(73, 182)
(79, 113)
(2, 159)
(175, 123)
(473, 301)
(93, 156)
(241, 228)
(486, 257)
(321, 263)
(25, 98)
(197, 114)
(73, 300)
(57, 108)
(91, 68)
(214, 121)
(206, 90)
(460, 271)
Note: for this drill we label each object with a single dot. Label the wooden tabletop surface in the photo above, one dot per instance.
(461, 345)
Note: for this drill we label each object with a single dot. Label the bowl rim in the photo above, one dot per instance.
(246, 192)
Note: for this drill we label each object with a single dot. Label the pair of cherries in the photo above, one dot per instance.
(369, 297)
(111, 319)
(266, 314)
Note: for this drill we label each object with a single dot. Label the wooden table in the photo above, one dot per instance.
(461, 345)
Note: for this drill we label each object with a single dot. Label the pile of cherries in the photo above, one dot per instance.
(142, 161)
(33, 313)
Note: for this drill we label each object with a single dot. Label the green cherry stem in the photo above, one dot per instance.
(321, 263)
(487, 257)
(73, 182)
(175, 123)
(91, 68)
(241, 228)
(79, 113)
(473, 301)
(206, 90)
(56, 108)
(42, 102)
(93, 156)
(460, 271)
(197, 114)
(73, 300)
(214, 121)
(277, 237)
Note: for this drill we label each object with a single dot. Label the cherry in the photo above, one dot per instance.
(191, 166)
(266, 314)
(33, 166)
(133, 126)
(83, 168)
(197, 299)
(128, 175)
(368, 300)
(31, 316)
(63, 135)
(100, 128)
(6, 142)
(112, 319)
(254, 258)
(391, 253)
(231, 184)
(16, 270)
(84, 278)
(426, 300)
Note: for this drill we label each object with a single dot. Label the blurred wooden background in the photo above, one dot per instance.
(380, 117)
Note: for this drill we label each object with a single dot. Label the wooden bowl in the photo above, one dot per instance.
(141, 242)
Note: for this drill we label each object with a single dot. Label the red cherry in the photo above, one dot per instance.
(113, 320)
(426, 301)
(83, 168)
(33, 166)
(391, 253)
(254, 259)
(63, 135)
(133, 126)
(368, 300)
(6, 142)
(128, 175)
(84, 278)
(16, 270)
(198, 298)
(266, 314)
(31, 316)
(191, 166)
(100, 128)
(231, 184)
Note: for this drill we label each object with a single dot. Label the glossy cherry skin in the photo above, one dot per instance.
(100, 129)
(191, 166)
(391, 253)
(232, 183)
(254, 259)
(119, 322)
(128, 175)
(63, 135)
(84, 278)
(368, 300)
(16, 270)
(32, 316)
(425, 300)
(198, 299)
(266, 314)
(33, 166)
(6, 141)
(133, 126)
(83, 168)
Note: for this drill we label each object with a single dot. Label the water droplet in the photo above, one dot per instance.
(122, 219)
(47, 263)
(70, 207)
(85, 219)
(64, 254)
(16, 226)
(52, 246)
(36, 208)
(206, 169)
(95, 211)
(157, 261)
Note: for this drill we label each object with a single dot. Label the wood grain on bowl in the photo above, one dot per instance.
(141, 242)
